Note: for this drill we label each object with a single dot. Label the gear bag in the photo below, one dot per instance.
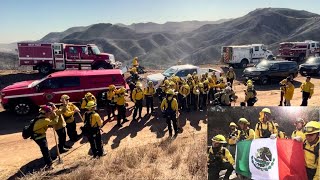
(27, 131)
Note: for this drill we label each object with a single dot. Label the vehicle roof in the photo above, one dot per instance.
(281, 61)
(86, 72)
(185, 66)
(246, 45)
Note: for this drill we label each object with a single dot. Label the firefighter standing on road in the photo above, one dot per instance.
(265, 128)
(94, 122)
(87, 97)
(169, 107)
(231, 75)
(219, 158)
(68, 116)
(149, 93)
(307, 91)
(111, 106)
(44, 120)
(121, 106)
(137, 96)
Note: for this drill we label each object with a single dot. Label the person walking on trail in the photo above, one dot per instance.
(137, 97)
(283, 85)
(250, 95)
(265, 128)
(184, 93)
(169, 107)
(219, 158)
(311, 149)
(68, 115)
(298, 134)
(280, 134)
(288, 94)
(92, 125)
(121, 106)
(87, 97)
(111, 105)
(149, 93)
(47, 117)
(232, 140)
(307, 91)
(245, 133)
(231, 75)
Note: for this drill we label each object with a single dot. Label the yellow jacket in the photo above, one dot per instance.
(120, 99)
(134, 70)
(149, 91)
(231, 75)
(246, 134)
(226, 157)
(310, 157)
(69, 113)
(61, 121)
(135, 62)
(300, 133)
(190, 83)
(194, 91)
(265, 126)
(95, 119)
(41, 125)
(221, 85)
(281, 135)
(212, 84)
(174, 104)
(282, 83)
(249, 95)
(184, 90)
(288, 94)
(110, 95)
(137, 94)
(307, 87)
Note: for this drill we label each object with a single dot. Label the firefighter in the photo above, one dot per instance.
(311, 149)
(135, 62)
(196, 80)
(121, 106)
(68, 116)
(307, 91)
(204, 94)
(298, 134)
(283, 89)
(149, 93)
(47, 117)
(134, 74)
(232, 140)
(196, 97)
(219, 158)
(225, 97)
(280, 134)
(250, 95)
(211, 88)
(245, 132)
(111, 105)
(288, 94)
(137, 96)
(191, 85)
(184, 93)
(169, 106)
(221, 85)
(214, 77)
(87, 97)
(231, 75)
(265, 128)
(203, 78)
(93, 123)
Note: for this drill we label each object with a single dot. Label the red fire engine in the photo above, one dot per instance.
(60, 56)
(299, 51)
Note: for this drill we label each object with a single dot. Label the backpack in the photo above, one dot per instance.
(244, 134)
(315, 150)
(27, 131)
(86, 128)
(169, 111)
(265, 133)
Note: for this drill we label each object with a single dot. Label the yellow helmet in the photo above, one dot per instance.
(135, 58)
(266, 110)
(206, 82)
(209, 78)
(244, 120)
(221, 78)
(138, 84)
(300, 120)
(201, 85)
(312, 127)
(121, 90)
(232, 124)
(170, 92)
(150, 83)
(166, 82)
(91, 104)
(219, 139)
(65, 97)
(112, 87)
(189, 76)
(249, 81)
(276, 124)
(88, 94)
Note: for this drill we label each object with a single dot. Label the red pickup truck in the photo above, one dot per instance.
(23, 97)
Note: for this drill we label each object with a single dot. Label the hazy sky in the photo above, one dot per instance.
(33, 19)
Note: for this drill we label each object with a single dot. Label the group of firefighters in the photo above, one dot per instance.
(222, 152)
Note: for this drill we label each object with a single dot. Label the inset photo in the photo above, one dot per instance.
(263, 143)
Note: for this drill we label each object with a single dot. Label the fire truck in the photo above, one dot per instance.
(299, 51)
(245, 54)
(60, 56)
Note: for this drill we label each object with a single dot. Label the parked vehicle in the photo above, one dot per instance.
(311, 66)
(266, 71)
(60, 56)
(298, 51)
(22, 97)
(180, 71)
(241, 56)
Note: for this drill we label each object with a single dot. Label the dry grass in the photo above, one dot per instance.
(178, 159)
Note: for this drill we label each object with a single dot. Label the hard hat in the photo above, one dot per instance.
(112, 87)
(65, 97)
(206, 82)
(249, 81)
(300, 120)
(45, 109)
(135, 58)
(219, 139)
(228, 89)
(244, 120)
(206, 73)
(221, 78)
(166, 82)
(138, 84)
(88, 94)
(232, 124)
(276, 124)
(231, 68)
(189, 76)
(172, 83)
(201, 85)
(121, 90)
(194, 73)
(170, 92)
(91, 104)
(209, 78)
(150, 83)
(312, 127)
(266, 110)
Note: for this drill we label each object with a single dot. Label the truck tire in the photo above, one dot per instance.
(301, 57)
(22, 107)
(44, 69)
(264, 80)
(244, 63)
(270, 57)
(102, 66)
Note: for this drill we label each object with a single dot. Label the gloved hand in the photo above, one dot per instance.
(273, 136)
(298, 138)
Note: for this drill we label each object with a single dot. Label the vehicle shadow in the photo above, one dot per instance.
(11, 123)
(9, 79)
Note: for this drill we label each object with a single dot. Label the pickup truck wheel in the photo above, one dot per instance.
(244, 63)
(270, 57)
(22, 108)
(264, 80)
(44, 69)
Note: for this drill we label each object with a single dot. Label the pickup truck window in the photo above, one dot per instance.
(169, 72)
(274, 67)
(185, 72)
(62, 82)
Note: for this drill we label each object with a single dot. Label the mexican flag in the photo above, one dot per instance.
(271, 159)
